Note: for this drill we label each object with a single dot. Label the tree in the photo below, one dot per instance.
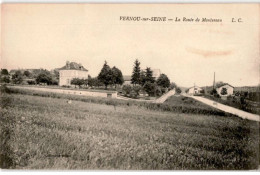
(149, 75)
(142, 77)
(117, 76)
(4, 76)
(150, 88)
(77, 81)
(219, 84)
(90, 81)
(105, 75)
(4, 72)
(173, 85)
(17, 77)
(126, 89)
(44, 78)
(5, 79)
(27, 73)
(223, 91)
(178, 90)
(163, 81)
(135, 79)
(137, 89)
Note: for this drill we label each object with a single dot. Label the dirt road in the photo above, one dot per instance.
(158, 100)
(229, 109)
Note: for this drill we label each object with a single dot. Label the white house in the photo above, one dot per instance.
(225, 90)
(195, 90)
(71, 70)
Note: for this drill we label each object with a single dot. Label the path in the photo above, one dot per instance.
(164, 97)
(229, 109)
(158, 100)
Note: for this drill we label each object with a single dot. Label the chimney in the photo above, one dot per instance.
(80, 66)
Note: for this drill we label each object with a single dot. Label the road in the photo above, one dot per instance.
(229, 109)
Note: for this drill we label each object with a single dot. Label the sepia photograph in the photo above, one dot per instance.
(87, 86)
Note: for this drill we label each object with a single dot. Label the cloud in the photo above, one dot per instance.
(209, 53)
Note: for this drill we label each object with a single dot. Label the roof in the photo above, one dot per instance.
(225, 84)
(127, 77)
(73, 66)
(194, 86)
(156, 72)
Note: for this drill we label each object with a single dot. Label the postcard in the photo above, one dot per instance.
(130, 86)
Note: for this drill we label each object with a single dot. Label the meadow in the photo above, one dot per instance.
(40, 132)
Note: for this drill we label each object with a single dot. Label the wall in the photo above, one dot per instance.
(73, 92)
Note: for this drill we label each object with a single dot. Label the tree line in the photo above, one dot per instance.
(37, 76)
(141, 80)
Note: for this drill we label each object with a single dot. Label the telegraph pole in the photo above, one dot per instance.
(214, 82)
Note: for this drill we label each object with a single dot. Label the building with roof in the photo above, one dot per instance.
(156, 73)
(225, 90)
(71, 70)
(194, 90)
(127, 79)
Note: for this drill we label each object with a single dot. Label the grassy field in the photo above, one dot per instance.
(48, 133)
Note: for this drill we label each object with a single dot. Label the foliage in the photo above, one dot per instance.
(4, 79)
(105, 75)
(4, 72)
(137, 89)
(117, 76)
(178, 90)
(17, 77)
(127, 89)
(142, 78)
(158, 91)
(135, 79)
(31, 82)
(44, 78)
(27, 73)
(163, 81)
(77, 81)
(223, 91)
(173, 85)
(213, 92)
(219, 84)
(150, 88)
(149, 75)
(93, 82)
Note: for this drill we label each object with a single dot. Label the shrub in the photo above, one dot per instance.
(126, 89)
(31, 82)
(137, 89)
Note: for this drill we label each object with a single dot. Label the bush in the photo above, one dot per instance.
(126, 89)
(31, 82)
(137, 89)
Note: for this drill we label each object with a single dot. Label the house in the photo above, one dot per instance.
(127, 79)
(156, 73)
(194, 90)
(225, 90)
(71, 70)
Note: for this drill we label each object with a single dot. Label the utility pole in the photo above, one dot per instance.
(214, 82)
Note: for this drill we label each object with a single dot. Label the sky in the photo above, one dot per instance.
(48, 35)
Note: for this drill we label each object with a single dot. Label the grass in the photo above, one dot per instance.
(169, 106)
(48, 133)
